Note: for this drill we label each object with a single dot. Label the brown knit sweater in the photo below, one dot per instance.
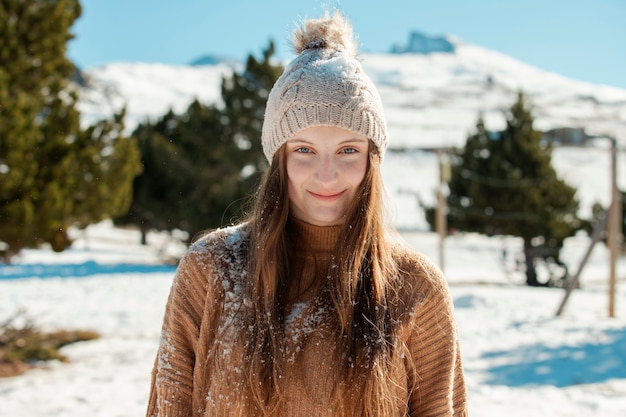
(199, 362)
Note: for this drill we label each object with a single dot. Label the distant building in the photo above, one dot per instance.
(569, 136)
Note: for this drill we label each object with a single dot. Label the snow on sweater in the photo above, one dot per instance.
(199, 361)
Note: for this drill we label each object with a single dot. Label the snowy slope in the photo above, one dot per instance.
(435, 99)
(431, 99)
(147, 90)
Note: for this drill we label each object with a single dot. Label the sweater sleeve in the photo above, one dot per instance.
(172, 376)
(437, 376)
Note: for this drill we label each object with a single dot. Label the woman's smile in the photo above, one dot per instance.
(325, 167)
(326, 197)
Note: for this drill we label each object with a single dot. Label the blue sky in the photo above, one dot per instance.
(581, 39)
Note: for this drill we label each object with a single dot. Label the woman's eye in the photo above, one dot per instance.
(303, 150)
(349, 150)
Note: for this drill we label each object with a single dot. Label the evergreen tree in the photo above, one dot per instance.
(52, 174)
(200, 167)
(156, 202)
(244, 98)
(214, 193)
(505, 184)
(106, 163)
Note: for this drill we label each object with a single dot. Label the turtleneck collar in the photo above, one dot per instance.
(319, 239)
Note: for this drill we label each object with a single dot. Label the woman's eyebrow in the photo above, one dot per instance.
(364, 140)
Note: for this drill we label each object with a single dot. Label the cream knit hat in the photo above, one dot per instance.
(323, 86)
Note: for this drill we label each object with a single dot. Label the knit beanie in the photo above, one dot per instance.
(324, 85)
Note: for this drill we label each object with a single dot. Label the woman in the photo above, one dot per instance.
(310, 307)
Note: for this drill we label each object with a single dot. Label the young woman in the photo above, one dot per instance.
(310, 307)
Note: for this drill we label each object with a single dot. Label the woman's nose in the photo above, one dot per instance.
(326, 170)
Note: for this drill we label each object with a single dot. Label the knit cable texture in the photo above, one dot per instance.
(185, 382)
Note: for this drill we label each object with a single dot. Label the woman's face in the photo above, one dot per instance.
(325, 166)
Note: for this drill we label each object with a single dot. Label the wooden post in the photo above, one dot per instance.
(614, 228)
(598, 231)
(612, 224)
(441, 223)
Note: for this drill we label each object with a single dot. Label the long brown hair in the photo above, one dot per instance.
(359, 291)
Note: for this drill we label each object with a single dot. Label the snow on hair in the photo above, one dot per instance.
(328, 32)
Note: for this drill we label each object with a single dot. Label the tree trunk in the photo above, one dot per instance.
(144, 236)
(531, 273)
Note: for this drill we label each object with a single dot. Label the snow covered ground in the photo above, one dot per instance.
(520, 359)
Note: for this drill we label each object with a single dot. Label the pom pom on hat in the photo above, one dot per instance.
(324, 85)
(329, 32)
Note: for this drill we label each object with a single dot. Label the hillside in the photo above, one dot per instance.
(431, 100)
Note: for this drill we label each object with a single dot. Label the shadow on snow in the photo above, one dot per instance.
(77, 270)
(594, 362)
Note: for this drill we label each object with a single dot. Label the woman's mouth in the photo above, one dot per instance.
(326, 196)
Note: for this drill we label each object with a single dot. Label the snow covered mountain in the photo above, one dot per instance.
(431, 100)
(147, 90)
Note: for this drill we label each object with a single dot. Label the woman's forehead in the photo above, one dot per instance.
(319, 133)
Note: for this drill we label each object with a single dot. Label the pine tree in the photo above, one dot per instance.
(244, 97)
(106, 161)
(156, 191)
(201, 167)
(52, 174)
(214, 196)
(505, 184)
